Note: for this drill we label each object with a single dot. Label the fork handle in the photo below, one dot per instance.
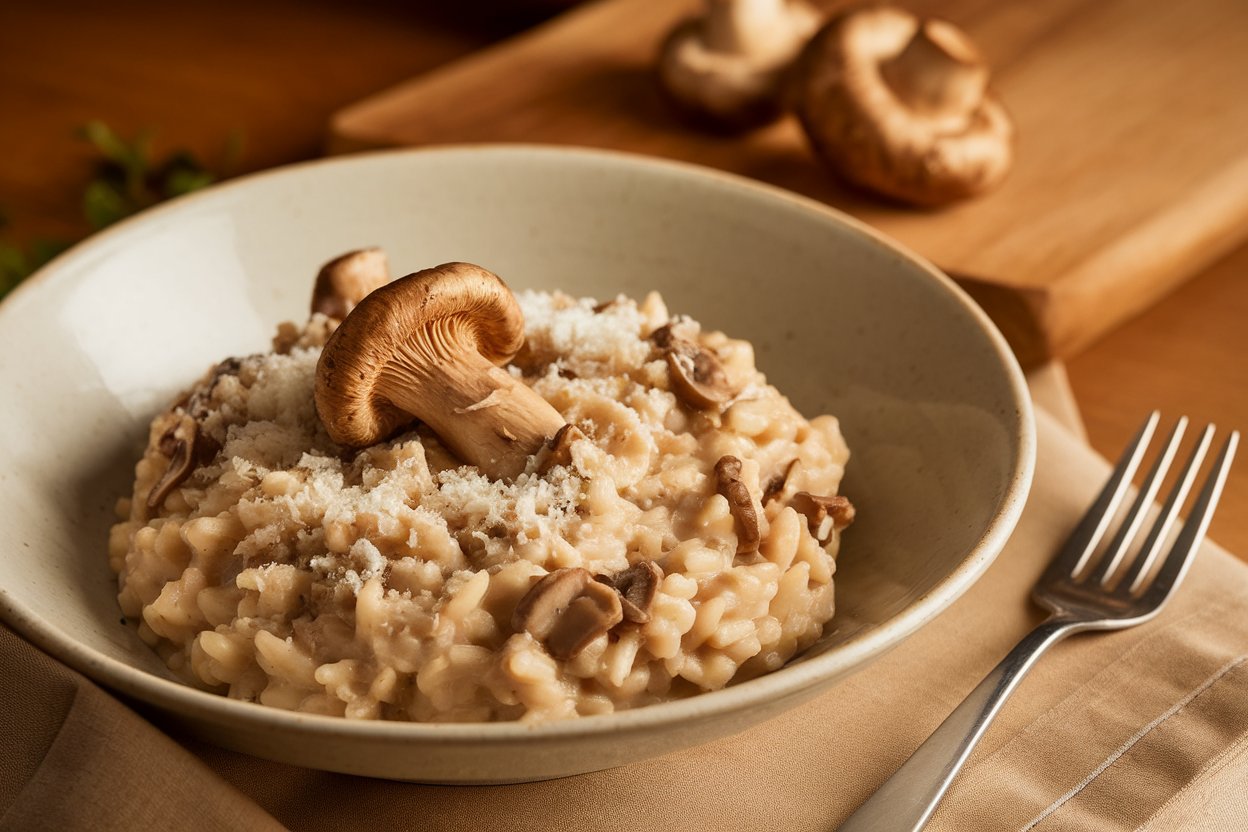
(907, 799)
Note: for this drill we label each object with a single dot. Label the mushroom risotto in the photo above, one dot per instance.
(437, 501)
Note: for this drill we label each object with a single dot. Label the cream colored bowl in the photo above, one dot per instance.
(931, 401)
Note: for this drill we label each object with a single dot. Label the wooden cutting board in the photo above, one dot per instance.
(1132, 160)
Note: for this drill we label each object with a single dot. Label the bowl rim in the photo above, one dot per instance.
(790, 680)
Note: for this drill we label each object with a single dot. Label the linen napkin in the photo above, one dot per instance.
(1144, 729)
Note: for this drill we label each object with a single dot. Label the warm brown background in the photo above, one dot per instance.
(278, 70)
(1106, 209)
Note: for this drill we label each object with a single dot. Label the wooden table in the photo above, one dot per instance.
(277, 70)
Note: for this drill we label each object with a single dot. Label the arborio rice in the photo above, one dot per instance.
(281, 568)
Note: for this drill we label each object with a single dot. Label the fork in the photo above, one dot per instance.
(1081, 593)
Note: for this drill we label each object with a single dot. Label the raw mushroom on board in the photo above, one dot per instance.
(728, 66)
(901, 106)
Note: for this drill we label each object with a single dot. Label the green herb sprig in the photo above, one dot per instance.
(127, 178)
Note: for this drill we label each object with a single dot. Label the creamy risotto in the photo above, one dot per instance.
(677, 532)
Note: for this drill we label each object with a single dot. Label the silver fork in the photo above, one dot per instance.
(1110, 594)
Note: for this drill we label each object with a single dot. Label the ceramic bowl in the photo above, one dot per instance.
(844, 321)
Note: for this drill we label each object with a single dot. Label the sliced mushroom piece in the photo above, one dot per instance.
(196, 402)
(662, 337)
(566, 610)
(728, 483)
(427, 347)
(728, 66)
(637, 586)
(783, 486)
(901, 106)
(603, 306)
(823, 514)
(698, 377)
(559, 448)
(346, 280)
(180, 444)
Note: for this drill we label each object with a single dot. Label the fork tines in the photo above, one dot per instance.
(1076, 557)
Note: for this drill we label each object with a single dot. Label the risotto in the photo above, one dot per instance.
(674, 529)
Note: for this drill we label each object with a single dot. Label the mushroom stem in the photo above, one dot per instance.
(939, 72)
(744, 26)
(484, 415)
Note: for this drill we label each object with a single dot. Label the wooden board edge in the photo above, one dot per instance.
(1161, 255)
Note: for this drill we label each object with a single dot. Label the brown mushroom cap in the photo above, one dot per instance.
(728, 66)
(901, 106)
(426, 346)
(347, 279)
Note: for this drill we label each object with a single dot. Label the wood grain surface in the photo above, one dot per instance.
(270, 70)
(1132, 169)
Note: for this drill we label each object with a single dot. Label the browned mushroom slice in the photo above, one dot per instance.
(196, 402)
(566, 610)
(823, 514)
(346, 280)
(559, 448)
(780, 487)
(698, 379)
(637, 586)
(179, 443)
(546, 599)
(728, 483)
(662, 337)
(592, 614)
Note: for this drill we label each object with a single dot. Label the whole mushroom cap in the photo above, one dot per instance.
(728, 66)
(347, 279)
(901, 106)
(409, 329)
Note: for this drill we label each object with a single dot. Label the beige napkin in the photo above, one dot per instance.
(1141, 729)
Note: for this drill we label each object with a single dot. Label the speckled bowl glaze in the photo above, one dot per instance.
(844, 321)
